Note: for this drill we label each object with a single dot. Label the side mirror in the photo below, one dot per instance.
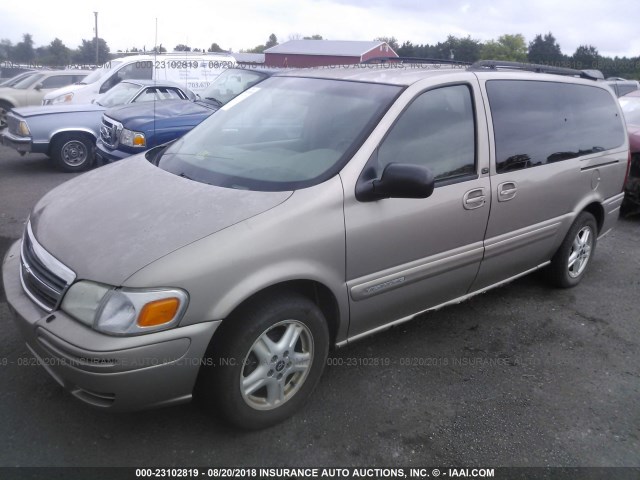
(38, 87)
(398, 180)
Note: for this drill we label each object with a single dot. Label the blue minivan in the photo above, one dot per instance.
(132, 129)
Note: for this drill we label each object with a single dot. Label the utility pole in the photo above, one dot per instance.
(96, 14)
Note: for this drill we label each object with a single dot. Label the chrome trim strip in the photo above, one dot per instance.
(391, 279)
(437, 307)
(46, 308)
(521, 238)
(48, 260)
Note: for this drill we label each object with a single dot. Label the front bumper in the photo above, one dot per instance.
(21, 144)
(104, 156)
(116, 373)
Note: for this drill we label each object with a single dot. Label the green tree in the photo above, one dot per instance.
(156, 49)
(407, 49)
(508, 47)
(585, 57)
(181, 48)
(23, 52)
(271, 42)
(6, 49)
(545, 50)
(215, 48)
(313, 37)
(461, 49)
(58, 54)
(391, 41)
(86, 52)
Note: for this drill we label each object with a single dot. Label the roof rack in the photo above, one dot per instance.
(439, 61)
(534, 67)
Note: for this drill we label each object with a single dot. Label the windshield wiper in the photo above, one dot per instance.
(215, 100)
(185, 176)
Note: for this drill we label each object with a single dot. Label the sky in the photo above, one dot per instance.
(612, 27)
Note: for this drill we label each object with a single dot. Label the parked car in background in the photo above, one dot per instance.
(131, 129)
(630, 104)
(621, 86)
(68, 133)
(191, 70)
(317, 208)
(31, 89)
(10, 82)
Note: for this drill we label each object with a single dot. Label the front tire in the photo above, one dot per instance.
(569, 264)
(72, 152)
(266, 361)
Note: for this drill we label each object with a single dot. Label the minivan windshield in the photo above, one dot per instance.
(100, 72)
(282, 134)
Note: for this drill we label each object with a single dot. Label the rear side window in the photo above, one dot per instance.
(536, 123)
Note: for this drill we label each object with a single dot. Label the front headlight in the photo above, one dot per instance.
(124, 311)
(64, 98)
(132, 139)
(23, 129)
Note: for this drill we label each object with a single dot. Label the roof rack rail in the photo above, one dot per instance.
(440, 61)
(534, 67)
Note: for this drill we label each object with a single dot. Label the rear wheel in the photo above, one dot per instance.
(267, 362)
(72, 152)
(570, 262)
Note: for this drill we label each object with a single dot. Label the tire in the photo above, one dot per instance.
(72, 152)
(256, 378)
(569, 264)
(4, 109)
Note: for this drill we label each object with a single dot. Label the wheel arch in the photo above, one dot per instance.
(314, 290)
(58, 133)
(596, 209)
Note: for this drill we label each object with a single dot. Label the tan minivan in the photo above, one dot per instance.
(314, 209)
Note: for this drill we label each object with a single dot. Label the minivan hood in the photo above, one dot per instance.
(109, 223)
(165, 114)
(27, 112)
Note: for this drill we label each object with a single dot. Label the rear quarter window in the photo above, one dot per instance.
(536, 122)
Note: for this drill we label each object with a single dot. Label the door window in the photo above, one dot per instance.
(436, 131)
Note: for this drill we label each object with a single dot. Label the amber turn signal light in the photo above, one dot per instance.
(158, 312)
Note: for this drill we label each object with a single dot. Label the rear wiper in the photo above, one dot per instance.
(185, 176)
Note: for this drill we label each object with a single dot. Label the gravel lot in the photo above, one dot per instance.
(520, 376)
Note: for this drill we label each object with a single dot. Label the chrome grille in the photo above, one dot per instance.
(43, 277)
(110, 132)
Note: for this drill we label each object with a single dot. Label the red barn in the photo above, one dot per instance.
(316, 53)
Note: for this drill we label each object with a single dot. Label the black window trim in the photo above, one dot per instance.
(368, 171)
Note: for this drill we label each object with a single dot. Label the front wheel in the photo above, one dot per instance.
(570, 262)
(72, 152)
(267, 361)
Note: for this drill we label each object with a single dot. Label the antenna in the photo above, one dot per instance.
(155, 77)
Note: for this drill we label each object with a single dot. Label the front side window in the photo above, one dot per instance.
(58, 81)
(282, 134)
(536, 122)
(436, 131)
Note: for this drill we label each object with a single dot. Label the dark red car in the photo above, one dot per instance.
(631, 107)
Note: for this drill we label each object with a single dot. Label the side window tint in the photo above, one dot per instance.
(58, 81)
(137, 71)
(536, 123)
(436, 131)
